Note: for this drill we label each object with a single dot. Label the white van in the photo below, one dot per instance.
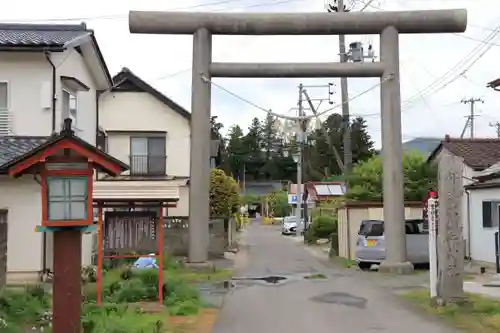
(370, 246)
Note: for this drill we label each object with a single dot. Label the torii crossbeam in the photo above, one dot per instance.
(388, 24)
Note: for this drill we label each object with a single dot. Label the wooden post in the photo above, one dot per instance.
(160, 257)
(67, 285)
(100, 258)
(450, 238)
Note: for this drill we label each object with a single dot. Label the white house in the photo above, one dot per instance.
(477, 155)
(151, 133)
(484, 196)
(47, 73)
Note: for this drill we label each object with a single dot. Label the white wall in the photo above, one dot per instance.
(29, 75)
(137, 111)
(182, 208)
(482, 240)
(71, 63)
(22, 198)
(466, 214)
(25, 74)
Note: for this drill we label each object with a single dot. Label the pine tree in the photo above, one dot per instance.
(253, 144)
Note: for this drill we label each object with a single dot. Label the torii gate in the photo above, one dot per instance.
(388, 24)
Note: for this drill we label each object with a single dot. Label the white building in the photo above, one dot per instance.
(484, 203)
(151, 133)
(477, 155)
(47, 73)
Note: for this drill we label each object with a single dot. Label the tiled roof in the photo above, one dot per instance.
(12, 147)
(39, 34)
(479, 154)
(493, 84)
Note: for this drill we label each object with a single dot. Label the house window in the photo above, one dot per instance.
(67, 198)
(4, 109)
(491, 214)
(70, 107)
(147, 155)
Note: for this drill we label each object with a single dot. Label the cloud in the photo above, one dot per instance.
(424, 58)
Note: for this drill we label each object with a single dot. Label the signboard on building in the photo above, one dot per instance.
(292, 199)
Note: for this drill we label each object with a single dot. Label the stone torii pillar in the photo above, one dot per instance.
(388, 24)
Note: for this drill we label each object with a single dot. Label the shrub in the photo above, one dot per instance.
(28, 305)
(130, 291)
(224, 194)
(324, 226)
(310, 237)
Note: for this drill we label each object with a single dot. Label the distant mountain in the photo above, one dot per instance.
(425, 145)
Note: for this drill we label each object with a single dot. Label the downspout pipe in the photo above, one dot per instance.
(98, 94)
(54, 101)
(54, 98)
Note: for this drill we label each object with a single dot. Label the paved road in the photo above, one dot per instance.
(345, 302)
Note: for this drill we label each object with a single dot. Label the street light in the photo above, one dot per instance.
(296, 157)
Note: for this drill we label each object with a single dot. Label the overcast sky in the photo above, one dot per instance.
(165, 61)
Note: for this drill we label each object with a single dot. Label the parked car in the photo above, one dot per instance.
(370, 246)
(290, 225)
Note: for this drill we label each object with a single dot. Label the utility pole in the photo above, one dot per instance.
(344, 91)
(325, 133)
(496, 125)
(472, 102)
(300, 144)
(304, 125)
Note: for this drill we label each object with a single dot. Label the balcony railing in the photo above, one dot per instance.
(148, 165)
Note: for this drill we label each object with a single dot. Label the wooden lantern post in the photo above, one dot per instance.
(65, 164)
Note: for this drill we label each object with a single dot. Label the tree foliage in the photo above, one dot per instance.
(365, 179)
(278, 202)
(258, 152)
(224, 194)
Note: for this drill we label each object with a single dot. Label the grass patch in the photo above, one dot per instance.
(190, 276)
(317, 276)
(478, 315)
(125, 291)
(469, 276)
(121, 318)
(346, 263)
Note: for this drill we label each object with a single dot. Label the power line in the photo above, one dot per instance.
(434, 87)
(269, 111)
(125, 16)
(122, 16)
(185, 70)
